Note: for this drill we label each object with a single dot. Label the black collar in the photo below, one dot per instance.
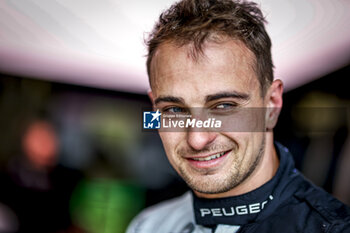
(251, 206)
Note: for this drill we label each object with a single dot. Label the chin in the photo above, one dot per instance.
(209, 184)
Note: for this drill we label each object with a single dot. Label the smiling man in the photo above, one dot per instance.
(216, 56)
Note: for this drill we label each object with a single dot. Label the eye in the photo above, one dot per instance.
(225, 106)
(174, 110)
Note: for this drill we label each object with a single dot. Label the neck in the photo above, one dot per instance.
(264, 172)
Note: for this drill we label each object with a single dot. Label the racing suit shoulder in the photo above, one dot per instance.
(334, 214)
(172, 214)
(309, 209)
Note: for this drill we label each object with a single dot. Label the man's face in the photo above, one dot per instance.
(221, 80)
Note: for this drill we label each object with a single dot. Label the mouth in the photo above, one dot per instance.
(210, 157)
(210, 161)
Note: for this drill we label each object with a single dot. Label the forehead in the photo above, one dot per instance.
(224, 65)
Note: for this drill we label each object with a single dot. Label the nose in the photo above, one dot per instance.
(200, 140)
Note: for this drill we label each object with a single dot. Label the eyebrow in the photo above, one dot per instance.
(233, 94)
(169, 99)
(179, 100)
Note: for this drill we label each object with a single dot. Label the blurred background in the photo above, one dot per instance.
(73, 157)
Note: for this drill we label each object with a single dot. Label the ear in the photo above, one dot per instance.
(273, 103)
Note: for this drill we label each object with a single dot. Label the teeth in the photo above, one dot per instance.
(210, 157)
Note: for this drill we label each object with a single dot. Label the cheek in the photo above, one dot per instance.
(253, 145)
(246, 142)
(170, 141)
(239, 138)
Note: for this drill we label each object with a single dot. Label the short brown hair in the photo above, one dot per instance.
(195, 21)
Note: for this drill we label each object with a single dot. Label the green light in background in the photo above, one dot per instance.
(106, 206)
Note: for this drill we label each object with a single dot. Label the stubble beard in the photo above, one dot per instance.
(210, 184)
